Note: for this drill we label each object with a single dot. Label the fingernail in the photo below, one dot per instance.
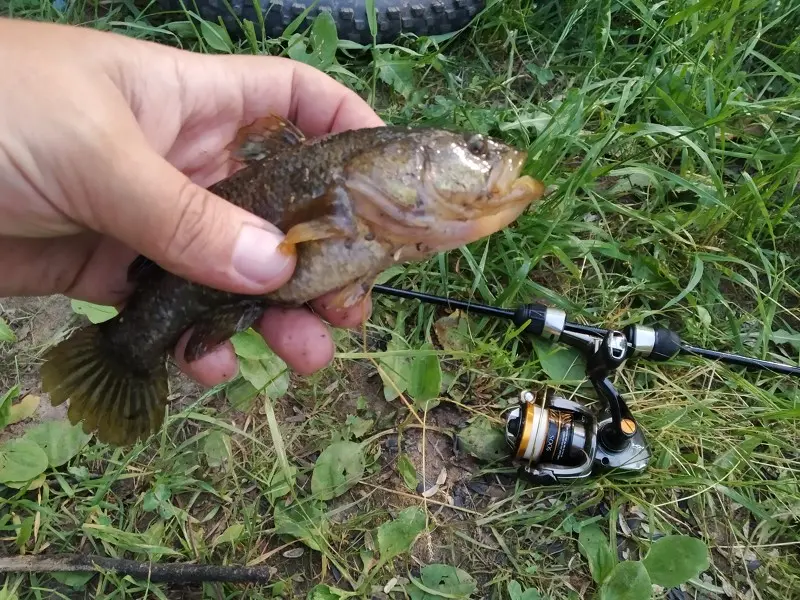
(256, 255)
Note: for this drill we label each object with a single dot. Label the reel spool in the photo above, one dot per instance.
(559, 440)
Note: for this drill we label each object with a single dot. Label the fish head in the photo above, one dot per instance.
(435, 190)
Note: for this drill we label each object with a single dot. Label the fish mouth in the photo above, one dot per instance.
(509, 195)
(505, 174)
(518, 194)
(456, 220)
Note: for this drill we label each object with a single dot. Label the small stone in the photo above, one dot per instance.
(294, 553)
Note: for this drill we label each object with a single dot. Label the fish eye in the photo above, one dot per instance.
(477, 145)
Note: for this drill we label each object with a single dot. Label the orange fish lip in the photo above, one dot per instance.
(505, 175)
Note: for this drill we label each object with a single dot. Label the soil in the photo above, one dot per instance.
(38, 323)
(459, 485)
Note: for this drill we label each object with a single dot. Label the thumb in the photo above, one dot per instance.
(158, 211)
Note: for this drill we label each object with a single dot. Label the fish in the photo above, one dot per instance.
(350, 205)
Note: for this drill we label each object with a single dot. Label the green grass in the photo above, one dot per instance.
(668, 137)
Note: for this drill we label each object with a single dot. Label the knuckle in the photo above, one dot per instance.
(190, 228)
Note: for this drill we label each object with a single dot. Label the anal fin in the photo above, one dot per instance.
(351, 294)
(264, 137)
(219, 325)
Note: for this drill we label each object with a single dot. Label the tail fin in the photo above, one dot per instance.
(122, 406)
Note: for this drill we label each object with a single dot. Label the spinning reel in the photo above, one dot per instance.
(557, 440)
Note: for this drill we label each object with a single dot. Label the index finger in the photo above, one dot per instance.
(312, 100)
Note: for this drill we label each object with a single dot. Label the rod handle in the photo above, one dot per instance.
(655, 343)
(545, 322)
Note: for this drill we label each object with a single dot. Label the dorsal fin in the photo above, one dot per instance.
(262, 138)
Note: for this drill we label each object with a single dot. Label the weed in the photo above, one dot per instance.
(667, 135)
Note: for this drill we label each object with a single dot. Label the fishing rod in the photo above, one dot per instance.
(560, 440)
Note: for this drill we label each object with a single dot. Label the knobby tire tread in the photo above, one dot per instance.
(394, 17)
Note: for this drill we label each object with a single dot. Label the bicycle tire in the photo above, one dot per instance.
(393, 17)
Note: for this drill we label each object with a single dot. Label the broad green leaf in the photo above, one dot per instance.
(426, 380)
(782, 336)
(248, 344)
(150, 502)
(230, 536)
(217, 448)
(395, 371)
(278, 484)
(5, 405)
(241, 394)
(323, 41)
(96, 313)
(216, 36)
(596, 549)
(358, 427)
(326, 592)
(21, 460)
(304, 520)
(627, 581)
(407, 471)
(6, 333)
(543, 75)
(340, 466)
(298, 48)
(438, 580)
(515, 592)
(29, 484)
(396, 537)
(269, 375)
(76, 581)
(483, 440)
(24, 409)
(60, 440)
(452, 331)
(562, 364)
(397, 71)
(675, 559)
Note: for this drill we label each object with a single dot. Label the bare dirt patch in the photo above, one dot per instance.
(39, 322)
(36, 322)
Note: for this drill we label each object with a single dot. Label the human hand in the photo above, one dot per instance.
(106, 146)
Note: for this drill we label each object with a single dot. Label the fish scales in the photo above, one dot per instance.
(164, 305)
(351, 205)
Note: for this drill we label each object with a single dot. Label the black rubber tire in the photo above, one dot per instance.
(394, 17)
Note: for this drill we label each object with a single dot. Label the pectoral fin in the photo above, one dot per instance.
(262, 138)
(334, 219)
(319, 229)
(220, 325)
